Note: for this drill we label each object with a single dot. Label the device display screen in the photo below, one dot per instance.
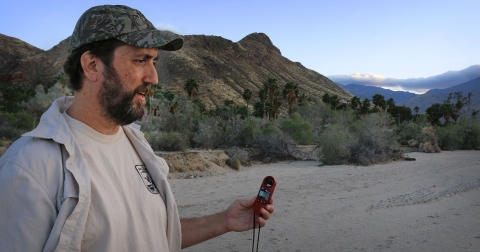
(264, 194)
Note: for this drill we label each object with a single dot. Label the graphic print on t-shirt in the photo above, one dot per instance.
(147, 180)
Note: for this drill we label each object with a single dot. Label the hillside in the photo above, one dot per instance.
(29, 65)
(363, 92)
(222, 68)
(440, 95)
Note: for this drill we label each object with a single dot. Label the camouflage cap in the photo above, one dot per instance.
(123, 23)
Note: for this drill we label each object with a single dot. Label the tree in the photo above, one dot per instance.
(379, 102)
(416, 109)
(271, 86)
(290, 93)
(190, 86)
(365, 107)
(326, 98)
(334, 101)
(447, 110)
(262, 95)
(355, 104)
(12, 96)
(434, 113)
(247, 95)
(390, 103)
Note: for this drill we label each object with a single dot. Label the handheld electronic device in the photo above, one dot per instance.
(264, 194)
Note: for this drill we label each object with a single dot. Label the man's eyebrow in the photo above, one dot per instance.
(146, 56)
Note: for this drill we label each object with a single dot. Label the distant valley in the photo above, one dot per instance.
(423, 101)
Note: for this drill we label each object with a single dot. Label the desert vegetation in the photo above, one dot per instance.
(264, 125)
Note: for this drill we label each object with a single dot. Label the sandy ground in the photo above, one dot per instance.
(431, 204)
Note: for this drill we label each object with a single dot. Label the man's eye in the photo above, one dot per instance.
(140, 61)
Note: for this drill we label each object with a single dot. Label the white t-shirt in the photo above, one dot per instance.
(126, 211)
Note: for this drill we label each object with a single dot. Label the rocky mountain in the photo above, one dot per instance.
(363, 92)
(24, 64)
(222, 68)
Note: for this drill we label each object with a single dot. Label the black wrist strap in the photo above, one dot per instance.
(258, 237)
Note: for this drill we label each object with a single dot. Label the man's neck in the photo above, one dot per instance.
(88, 111)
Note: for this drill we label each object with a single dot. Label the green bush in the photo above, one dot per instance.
(297, 128)
(168, 141)
(449, 137)
(407, 131)
(334, 142)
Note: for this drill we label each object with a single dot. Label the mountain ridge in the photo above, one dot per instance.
(222, 68)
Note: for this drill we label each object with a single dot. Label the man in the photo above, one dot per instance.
(86, 179)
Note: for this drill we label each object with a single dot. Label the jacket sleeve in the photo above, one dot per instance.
(27, 213)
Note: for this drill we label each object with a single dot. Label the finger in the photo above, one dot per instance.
(265, 214)
(270, 208)
(271, 201)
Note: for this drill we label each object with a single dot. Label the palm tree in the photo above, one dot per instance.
(262, 94)
(190, 86)
(416, 109)
(277, 103)
(379, 101)
(247, 95)
(271, 86)
(334, 101)
(447, 110)
(326, 98)
(290, 93)
(365, 106)
(355, 104)
(390, 104)
(434, 113)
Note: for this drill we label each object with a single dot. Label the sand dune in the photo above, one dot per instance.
(431, 204)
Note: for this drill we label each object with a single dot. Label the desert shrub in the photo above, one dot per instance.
(429, 140)
(449, 137)
(181, 119)
(475, 136)
(372, 140)
(408, 131)
(207, 134)
(237, 157)
(248, 130)
(13, 125)
(334, 142)
(167, 141)
(271, 144)
(43, 99)
(9, 133)
(298, 129)
(150, 123)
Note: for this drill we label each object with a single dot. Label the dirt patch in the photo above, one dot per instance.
(196, 163)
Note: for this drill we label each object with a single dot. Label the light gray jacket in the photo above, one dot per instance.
(45, 187)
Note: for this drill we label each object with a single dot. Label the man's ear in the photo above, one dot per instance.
(90, 66)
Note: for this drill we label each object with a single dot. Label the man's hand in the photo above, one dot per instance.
(240, 215)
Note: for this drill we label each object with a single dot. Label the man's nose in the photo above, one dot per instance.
(151, 75)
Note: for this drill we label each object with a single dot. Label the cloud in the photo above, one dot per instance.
(168, 27)
(358, 78)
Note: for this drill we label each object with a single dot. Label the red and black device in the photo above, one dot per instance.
(264, 194)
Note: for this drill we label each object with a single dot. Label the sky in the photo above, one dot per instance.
(398, 39)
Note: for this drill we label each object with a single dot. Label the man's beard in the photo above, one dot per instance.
(117, 102)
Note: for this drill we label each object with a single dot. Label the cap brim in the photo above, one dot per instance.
(163, 40)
